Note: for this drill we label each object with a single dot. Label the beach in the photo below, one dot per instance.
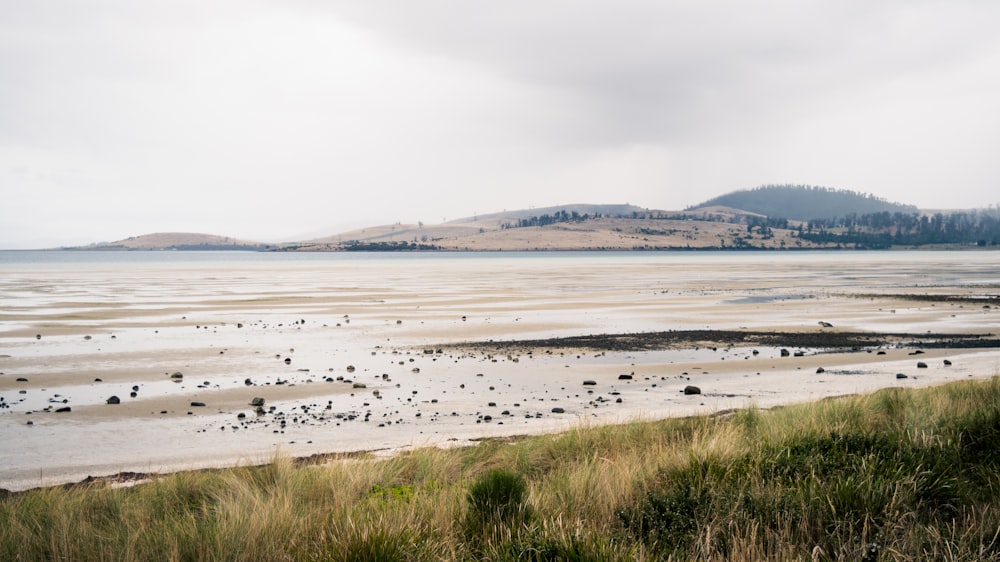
(224, 358)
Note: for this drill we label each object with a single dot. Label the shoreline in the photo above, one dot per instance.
(338, 350)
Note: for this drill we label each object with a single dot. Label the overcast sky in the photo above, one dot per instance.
(276, 119)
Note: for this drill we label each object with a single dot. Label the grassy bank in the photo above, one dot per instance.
(897, 475)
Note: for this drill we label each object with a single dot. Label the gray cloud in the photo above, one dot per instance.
(264, 118)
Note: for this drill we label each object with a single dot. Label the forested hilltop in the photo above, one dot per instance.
(804, 202)
(846, 219)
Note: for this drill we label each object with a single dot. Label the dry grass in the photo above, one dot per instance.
(897, 475)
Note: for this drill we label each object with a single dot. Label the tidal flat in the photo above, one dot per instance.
(221, 359)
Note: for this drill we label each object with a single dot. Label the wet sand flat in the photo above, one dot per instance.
(382, 352)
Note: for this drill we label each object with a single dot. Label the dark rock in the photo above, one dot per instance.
(825, 324)
(785, 353)
(64, 409)
(558, 410)
(901, 376)
(359, 385)
(257, 402)
(947, 363)
(288, 360)
(820, 370)
(197, 404)
(921, 365)
(177, 376)
(248, 382)
(114, 400)
(22, 379)
(589, 383)
(691, 389)
(624, 377)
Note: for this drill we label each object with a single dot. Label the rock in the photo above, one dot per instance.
(257, 401)
(350, 368)
(820, 370)
(825, 324)
(691, 389)
(114, 400)
(22, 379)
(288, 360)
(558, 410)
(785, 353)
(248, 382)
(921, 365)
(177, 376)
(197, 404)
(589, 383)
(947, 363)
(901, 376)
(64, 409)
(624, 377)
(359, 385)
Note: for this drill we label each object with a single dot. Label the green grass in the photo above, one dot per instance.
(896, 475)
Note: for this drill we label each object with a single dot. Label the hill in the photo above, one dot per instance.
(177, 241)
(750, 219)
(805, 203)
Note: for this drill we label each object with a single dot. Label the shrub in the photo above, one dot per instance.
(497, 502)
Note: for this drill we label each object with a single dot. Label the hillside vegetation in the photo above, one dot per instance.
(804, 203)
(902, 474)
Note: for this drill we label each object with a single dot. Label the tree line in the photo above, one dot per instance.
(882, 230)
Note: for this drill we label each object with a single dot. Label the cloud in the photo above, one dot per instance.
(262, 119)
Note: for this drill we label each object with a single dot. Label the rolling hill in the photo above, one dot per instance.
(177, 241)
(804, 203)
(766, 217)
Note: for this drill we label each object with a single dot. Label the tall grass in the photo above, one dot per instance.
(896, 475)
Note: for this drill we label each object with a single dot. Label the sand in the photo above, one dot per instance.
(420, 334)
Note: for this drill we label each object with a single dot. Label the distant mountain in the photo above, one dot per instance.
(176, 241)
(804, 203)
